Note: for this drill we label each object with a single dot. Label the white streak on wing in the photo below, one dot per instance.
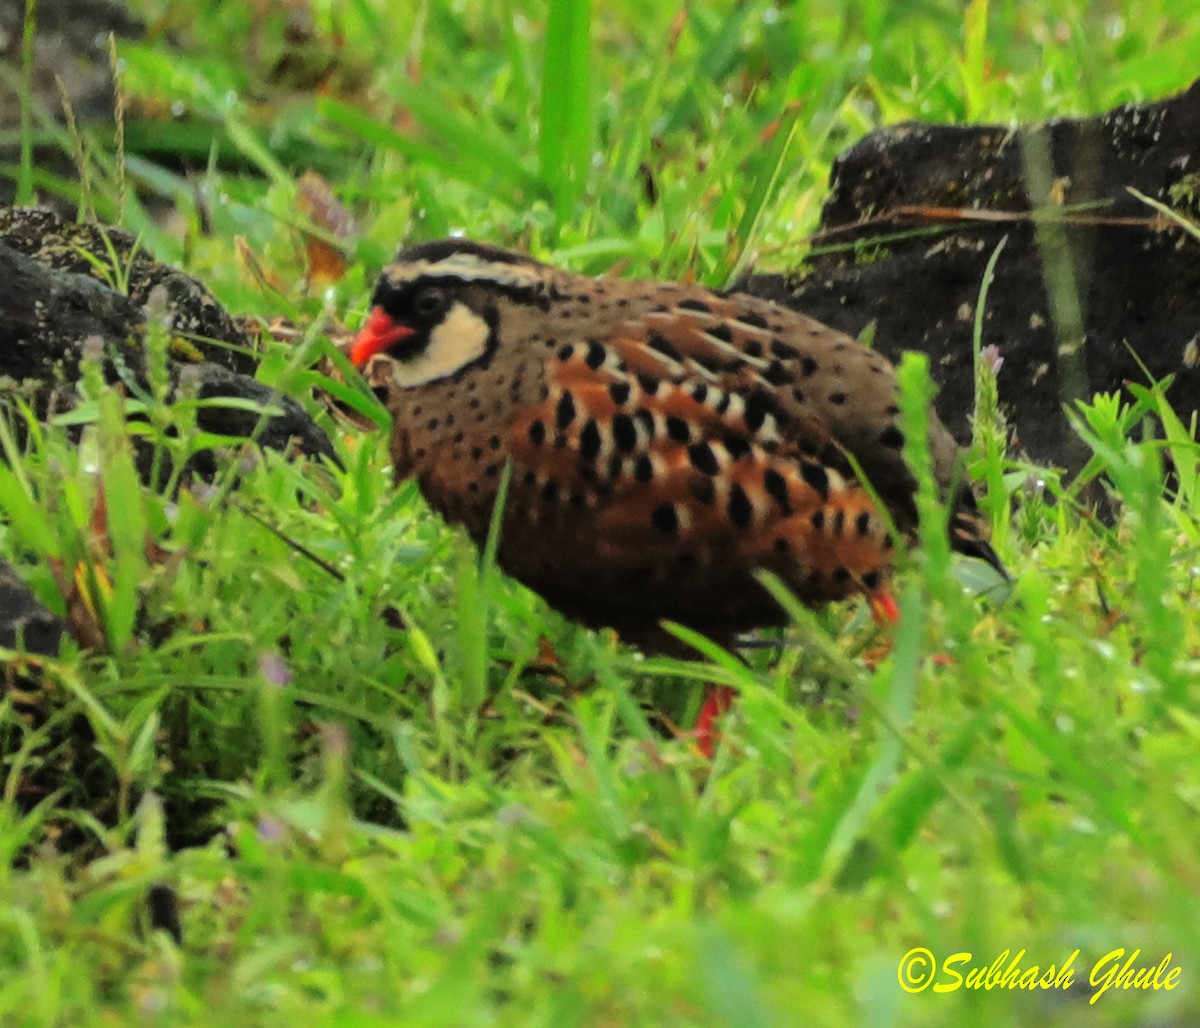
(733, 352)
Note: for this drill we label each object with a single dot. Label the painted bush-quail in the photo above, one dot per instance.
(667, 441)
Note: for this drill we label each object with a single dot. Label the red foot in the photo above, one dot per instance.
(717, 702)
(884, 608)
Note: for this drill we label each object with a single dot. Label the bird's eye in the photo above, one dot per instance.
(428, 303)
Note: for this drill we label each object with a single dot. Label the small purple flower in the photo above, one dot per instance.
(270, 829)
(274, 669)
(990, 356)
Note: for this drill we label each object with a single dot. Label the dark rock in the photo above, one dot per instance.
(292, 428)
(85, 249)
(915, 212)
(53, 302)
(23, 619)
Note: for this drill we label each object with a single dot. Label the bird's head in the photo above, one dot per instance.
(435, 309)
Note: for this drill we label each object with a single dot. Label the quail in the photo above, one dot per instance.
(667, 441)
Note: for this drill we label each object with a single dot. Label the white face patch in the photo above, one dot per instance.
(461, 337)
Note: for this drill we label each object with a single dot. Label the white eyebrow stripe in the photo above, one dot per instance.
(469, 268)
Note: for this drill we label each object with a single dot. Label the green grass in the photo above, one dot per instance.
(437, 824)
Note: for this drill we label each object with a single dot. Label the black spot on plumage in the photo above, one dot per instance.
(782, 349)
(741, 510)
(665, 518)
(839, 523)
(694, 305)
(818, 521)
(643, 469)
(752, 349)
(646, 417)
(782, 545)
(619, 391)
(808, 366)
(624, 433)
(649, 384)
(837, 398)
(550, 492)
(566, 352)
(776, 487)
(871, 580)
(752, 318)
(862, 523)
(657, 341)
(892, 438)
(816, 477)
(841, 575)
(678, 430)
(798, 394)
(757, 409)
(615, 466)
(778, 373)
(590, 441)
(494, 442)
(721, 331)
(537, 433)
(700, 392)
(596, 354)
(723, 403)
(476, 453)
(737, 447)
(564, 413)
(703, 458)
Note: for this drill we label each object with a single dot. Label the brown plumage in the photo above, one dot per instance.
(667, 441)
